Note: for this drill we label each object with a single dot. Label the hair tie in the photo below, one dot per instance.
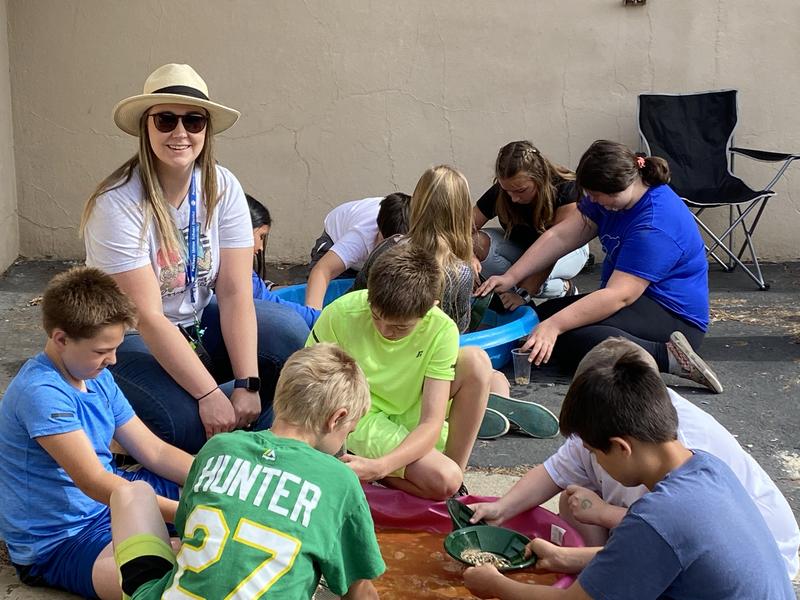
(640, 161)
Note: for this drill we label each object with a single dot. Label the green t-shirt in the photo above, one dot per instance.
(263, 517)
(395, 369)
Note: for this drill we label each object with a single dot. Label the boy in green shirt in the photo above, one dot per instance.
(264, 514)
(408, 349)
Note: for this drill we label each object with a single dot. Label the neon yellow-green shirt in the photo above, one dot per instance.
(395, 369)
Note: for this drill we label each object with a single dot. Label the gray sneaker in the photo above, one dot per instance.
(494, 425)
(690, 365)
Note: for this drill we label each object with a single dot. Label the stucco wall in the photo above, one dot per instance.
(9, 229)
(343, 100)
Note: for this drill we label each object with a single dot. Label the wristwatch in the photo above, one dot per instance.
(251, 384)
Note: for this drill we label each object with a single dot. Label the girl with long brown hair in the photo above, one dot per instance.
(530, 194)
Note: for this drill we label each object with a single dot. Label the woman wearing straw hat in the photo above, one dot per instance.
(173, 229)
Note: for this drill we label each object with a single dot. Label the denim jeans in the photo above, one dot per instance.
(170, 411)
(503, 253)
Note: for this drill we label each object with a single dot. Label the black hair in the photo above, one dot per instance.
(610, 167)
(259, 215)
(626, 398)
(393, 214)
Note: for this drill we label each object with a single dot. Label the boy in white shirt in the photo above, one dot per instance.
(594, 502)
(352, 230)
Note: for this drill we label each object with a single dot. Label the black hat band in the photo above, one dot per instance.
(182, 90)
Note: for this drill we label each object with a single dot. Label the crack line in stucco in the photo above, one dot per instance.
(717, 43)
(389, 149)
(53, 123)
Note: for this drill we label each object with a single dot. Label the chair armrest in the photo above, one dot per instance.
(763, 155)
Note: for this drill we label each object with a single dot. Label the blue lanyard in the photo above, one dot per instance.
(191, 263)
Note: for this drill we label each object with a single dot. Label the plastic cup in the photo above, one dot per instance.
(522, 366)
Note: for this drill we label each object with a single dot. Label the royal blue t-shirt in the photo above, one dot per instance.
(41, 505)
(696, 535)
(657, 239)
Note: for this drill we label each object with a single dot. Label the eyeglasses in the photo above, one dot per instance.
(167, 121)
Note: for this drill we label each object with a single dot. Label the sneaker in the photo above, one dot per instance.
(529, 418)
(690, 365)
(572, 289)
(493, 426)
(461, 491)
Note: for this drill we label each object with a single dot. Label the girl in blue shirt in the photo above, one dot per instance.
(262, 289)
(654, 286)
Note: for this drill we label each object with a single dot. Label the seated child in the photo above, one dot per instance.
(409, 351)
(57, 420)
(264, 514)
(352, 230)
(262, 289)
(695, 534)
(574, 469)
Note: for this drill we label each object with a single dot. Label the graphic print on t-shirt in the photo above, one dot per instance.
(172, 277)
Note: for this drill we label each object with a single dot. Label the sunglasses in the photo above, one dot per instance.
(167, 121)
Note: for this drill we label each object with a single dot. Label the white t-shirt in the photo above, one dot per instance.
(353, 227)
(573, 464)
(115, 242)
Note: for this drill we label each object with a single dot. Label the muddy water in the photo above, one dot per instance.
(418, 567)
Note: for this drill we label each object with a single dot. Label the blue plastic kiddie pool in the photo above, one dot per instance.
(497, 340)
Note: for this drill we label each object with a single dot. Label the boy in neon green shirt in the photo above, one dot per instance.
(264, 514)
(408, 349)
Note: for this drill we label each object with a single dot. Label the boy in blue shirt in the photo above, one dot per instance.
(696, 534)
(57, 420)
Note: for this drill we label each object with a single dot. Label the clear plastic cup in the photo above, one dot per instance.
(522, 366)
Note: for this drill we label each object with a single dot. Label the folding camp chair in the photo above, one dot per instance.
(694, 133)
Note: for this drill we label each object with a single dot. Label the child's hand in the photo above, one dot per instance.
(491, 512)
(495, 283)
(367, 469)
(550, 557)
(586, 506)
(541, 342)
(482, 581)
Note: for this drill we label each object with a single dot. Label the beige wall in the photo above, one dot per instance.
(343, 100)
(9, 228)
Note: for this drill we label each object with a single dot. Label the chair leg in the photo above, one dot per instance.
(732, 257)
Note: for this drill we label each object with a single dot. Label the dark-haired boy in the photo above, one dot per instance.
(409, 351)
(352, 230)
(696, 534)
(57, 420)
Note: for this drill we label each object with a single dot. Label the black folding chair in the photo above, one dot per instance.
(694, 133)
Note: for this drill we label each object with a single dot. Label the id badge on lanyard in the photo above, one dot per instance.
(192, 242)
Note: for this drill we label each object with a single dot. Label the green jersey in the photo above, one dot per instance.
(263, 517)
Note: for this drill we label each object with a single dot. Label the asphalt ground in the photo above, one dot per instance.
(753, 344)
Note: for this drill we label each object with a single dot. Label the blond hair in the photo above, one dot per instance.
(156, 208)
(523, 157)
(610, 350)
(441, 215)
(315, 382)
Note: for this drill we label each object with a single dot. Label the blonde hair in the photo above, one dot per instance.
(523, 157)
(610, 350)
(316, 381)
(155, 206)
(441, 215)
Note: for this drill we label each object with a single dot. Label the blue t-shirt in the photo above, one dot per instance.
(260, 292)
(41, 505)
(657, 239)
(696, 535)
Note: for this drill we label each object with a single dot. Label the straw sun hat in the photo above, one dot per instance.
(172, 84)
